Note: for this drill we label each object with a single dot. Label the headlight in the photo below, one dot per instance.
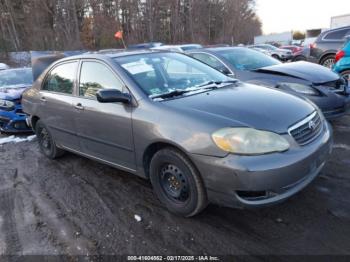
(249, 141)
(300, 88)
(6, 103)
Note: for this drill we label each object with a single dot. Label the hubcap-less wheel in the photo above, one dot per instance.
(329, 62)
(177, 183)
(174, 183)
(45, 141)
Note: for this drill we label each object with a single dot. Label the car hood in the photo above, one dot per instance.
(247, 105)
(12, 92)
(314, 73)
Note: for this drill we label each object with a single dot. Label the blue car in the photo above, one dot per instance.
(13, 82)
(342, 58)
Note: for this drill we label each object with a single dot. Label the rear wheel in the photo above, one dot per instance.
(46, 143)
(177, 183)
(346, 74)
(276, 57)
(328, 61)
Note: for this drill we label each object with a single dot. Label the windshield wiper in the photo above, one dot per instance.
(176, 92)
(216, 84)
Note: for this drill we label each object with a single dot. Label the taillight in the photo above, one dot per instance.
(313, 45)
(339, 55)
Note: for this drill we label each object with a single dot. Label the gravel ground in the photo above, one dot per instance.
(74, 206)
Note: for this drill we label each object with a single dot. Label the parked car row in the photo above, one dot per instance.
(224, 125)
(325, 88)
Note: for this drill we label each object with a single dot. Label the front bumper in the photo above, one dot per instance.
(257, 181)
(13, 121)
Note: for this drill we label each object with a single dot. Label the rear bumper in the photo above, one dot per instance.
(258, 181)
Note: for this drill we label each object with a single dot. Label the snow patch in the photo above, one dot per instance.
(137, 218)
(14, 139)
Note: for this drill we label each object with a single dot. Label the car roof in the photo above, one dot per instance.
(216, 49)
(112, 54)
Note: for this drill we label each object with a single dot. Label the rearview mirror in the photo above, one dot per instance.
(112, 96)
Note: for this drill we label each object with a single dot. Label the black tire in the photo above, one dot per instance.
(276, 57)
(328, 61)
(46, 143)
(177, 183)
(346, 74)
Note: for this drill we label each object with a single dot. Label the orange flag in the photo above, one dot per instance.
(119, 35)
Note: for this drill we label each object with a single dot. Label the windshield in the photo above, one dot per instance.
(161, 73)
(247, 59)
(16, 77)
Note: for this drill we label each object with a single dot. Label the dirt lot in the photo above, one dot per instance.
(76, 206)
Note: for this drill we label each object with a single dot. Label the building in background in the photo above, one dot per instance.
(280, 38)
(340, 20)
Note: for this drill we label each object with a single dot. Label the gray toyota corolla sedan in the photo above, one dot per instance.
(198, 135)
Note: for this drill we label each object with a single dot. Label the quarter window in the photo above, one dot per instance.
(95, 76)
(213, 62)
(337, 35)
(61, 78)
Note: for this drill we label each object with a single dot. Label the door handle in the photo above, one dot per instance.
(43, 99)
(79, 106)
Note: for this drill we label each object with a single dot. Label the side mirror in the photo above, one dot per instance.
(112, 96)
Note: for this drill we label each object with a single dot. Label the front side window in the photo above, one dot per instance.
(61, 78)
(95, 76)
(247, 59)
(159, 73)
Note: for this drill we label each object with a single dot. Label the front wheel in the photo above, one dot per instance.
(346, 74)
(46, 143)
(177, 183)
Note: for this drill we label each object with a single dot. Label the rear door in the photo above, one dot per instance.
(56, 103)
(104, 129)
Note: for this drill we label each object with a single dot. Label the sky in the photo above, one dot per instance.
(285, 15)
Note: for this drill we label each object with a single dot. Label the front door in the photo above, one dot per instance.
(104, 129)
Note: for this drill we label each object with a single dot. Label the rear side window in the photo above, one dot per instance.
(337, 35)
(95, 76)
(61, 78)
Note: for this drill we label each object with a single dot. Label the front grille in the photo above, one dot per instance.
(307, 130)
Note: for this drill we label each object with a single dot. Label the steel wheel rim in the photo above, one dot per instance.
(174, 184)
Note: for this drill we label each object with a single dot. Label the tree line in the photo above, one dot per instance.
(91, 24)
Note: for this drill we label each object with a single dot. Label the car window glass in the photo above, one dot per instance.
(337, 35)
(159, 73)
(213, 62)
(61, 78)
(12, 78)
(247, 59)
(95, 76)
